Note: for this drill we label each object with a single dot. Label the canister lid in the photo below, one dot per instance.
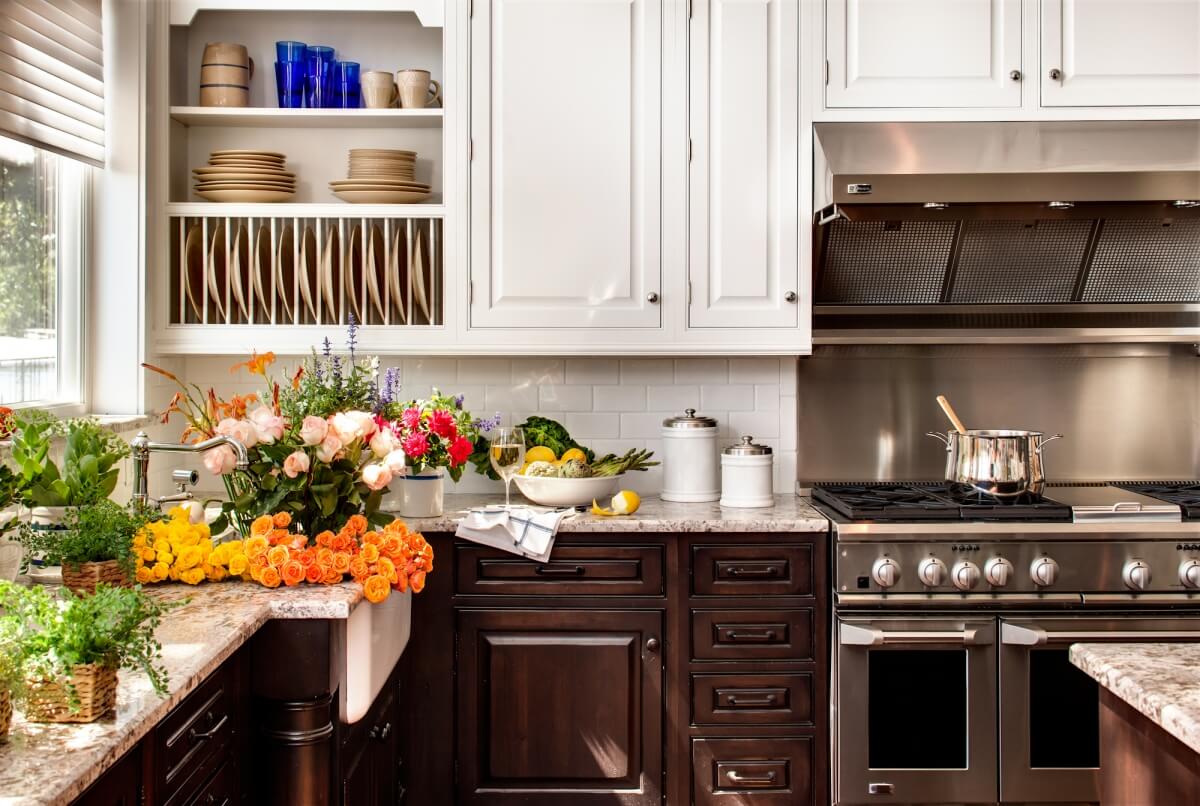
(689, 420)
(747, 448)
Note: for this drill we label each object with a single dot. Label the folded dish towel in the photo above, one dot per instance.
(523, 531)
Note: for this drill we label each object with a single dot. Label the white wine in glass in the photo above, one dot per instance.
(508, 454)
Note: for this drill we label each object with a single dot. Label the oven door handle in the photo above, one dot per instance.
(856, 635)
(1021, 635)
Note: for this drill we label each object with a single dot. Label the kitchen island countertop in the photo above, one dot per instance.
(1159, 681)
(791, 513)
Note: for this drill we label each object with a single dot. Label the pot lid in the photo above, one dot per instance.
(747, 448)
(689, 420)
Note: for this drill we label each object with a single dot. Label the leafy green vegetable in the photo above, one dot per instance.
(538, 431)
(89, 465)
(93, 533)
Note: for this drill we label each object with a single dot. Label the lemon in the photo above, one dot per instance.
(626, 502)
(599, 510)
(539, 453)
(573, 453)
(524, 467)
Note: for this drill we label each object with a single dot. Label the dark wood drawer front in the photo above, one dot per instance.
(196, 732)
(752, 634)
(222, 789)
(752, 772)
(752, 699)
(573, 570)
(737, 570)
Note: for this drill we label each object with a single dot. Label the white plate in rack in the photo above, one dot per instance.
(217, 269)
(240, 277)
(331, 274)
(285, 271)
(417, 270)
(309, 262)
(355, 266)
(375, 264)
(193, 259)
(398, 271)
(262, 268)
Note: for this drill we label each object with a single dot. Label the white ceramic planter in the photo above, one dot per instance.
(10, 559)
(50, 517)
(417, 495)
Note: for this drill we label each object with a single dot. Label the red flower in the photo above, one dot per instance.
(459, 450)
(411, 418)
(442, 423)
(415, 444)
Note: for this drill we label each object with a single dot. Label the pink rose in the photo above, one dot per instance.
(365, 422)
(313, 430)
(411, 418)
(268, 425)
(346, 426)
(415, 444)
(396, 462)
(240, 430)
(220, 460)
(442, 424)
(295, 464)
(376, 477)
(329, 448)
(383, 443)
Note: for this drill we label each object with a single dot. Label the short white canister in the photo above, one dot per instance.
(746, 475)
(690, 472)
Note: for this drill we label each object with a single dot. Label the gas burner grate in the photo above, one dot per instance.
(1184, 494)
(932, 501)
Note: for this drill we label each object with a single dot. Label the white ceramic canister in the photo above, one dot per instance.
(746, 475)
(690, 473)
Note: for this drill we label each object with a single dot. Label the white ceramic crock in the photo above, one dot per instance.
(746, 475)
(416, 495)
(690, 471)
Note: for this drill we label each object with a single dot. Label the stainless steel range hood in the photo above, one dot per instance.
(1015, 231)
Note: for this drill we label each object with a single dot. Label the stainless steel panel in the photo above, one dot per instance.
(1128, 411)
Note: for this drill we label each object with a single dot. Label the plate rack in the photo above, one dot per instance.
(306, 270)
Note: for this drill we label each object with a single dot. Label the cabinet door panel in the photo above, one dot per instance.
(923, 53)
(559, 706)
(1121, 52)
(744, 179)
(565, 180)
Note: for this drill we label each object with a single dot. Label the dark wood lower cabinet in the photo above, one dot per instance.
(641, 669)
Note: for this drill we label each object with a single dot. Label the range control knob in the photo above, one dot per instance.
(1189, 573)
(1136, 575)
(1044, 572)
(932, 572)
(885, 572)
(964, 575)
(997, 571)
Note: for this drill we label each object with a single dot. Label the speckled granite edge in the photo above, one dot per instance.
(54, 764)
(789, 514)
(1160, 681)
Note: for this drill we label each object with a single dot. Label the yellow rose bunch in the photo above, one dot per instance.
(181, 551)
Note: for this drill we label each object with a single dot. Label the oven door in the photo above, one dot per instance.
(1050, 710)
(916, 710)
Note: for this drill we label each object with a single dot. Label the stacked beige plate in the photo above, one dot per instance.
(243, 175)
(381, 176)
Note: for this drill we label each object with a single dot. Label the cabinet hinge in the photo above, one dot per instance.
(827, 72)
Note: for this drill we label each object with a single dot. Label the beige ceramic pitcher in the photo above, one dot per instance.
(225, 73)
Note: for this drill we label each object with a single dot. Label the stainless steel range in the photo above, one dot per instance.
(953, 616)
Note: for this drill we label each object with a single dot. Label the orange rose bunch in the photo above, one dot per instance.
(394, 559)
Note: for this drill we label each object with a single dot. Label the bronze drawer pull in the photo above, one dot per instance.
(769, 571)
(738, 778)
(203, 736)
(760, 637)
(752, 701)
(559, 571)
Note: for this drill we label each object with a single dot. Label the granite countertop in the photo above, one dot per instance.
(54, 763)
(790, 514)
(1160, 681)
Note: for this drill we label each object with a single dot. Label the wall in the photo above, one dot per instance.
(608, 404)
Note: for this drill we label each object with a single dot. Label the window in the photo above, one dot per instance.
(42, 239)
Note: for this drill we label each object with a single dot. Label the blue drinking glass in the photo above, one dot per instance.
(320, 76)
(290, 82)
(288, 50)
(347, 92)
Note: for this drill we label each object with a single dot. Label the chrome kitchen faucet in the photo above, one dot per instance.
(142, 447)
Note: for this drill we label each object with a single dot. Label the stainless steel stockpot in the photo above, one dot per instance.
(1003, 464)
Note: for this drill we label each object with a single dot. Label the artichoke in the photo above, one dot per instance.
(576, 469)
(541, 469)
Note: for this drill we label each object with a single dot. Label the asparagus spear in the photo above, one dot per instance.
(613, 465)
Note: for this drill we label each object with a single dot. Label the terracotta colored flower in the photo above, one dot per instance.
(278, 555)
(292, 573)
(418, 581)
(356, 524)
(341, 542)
(331, 577)
(372, 539)
(370, 553)
(341, 562)
(386, 568)
(324, 538)
(391, 545)
(270, 577)
(257, 364)
(314, 574)
(401, 583)
(376, 588)
(359, 568)
(307, 556)
(255, 546)
(325, 556)
(282, 520)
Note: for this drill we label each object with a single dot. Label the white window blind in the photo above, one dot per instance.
(52, 76)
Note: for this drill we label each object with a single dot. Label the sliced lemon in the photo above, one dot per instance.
(524, 467)
(539, 453)
(599, 510)
(573, 453)
(626, 502)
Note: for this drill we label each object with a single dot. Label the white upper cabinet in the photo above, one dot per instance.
(743, 192)
(924, 53)
(1120, 52)
(565, 178)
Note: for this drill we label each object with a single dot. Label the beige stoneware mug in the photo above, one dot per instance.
(225, 72)
(378, 89)
(415, 88)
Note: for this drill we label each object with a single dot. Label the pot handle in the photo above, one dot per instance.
(945, 439)
(1047, 439)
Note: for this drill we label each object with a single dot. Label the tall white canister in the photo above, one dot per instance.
(690, 470)
(746, 475)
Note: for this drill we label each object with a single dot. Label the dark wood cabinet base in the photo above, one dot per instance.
(1140, 763)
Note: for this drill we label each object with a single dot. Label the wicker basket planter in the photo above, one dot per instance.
(50, 700)
(5, 714)
(82, 579)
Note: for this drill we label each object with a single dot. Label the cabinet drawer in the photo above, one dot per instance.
(752, 699)
(769, 570)
(572, 570)
(195, 734)
(221, 790)
(752, 634)
(752, 772)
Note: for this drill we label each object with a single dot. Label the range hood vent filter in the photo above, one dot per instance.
(1146, 261)
(1003, 262)
(886, 262)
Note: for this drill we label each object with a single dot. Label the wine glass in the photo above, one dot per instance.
(507, 454)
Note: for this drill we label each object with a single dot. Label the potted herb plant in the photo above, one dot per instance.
(10, 550)
(95, 545)
(73, 647)
(12, 681)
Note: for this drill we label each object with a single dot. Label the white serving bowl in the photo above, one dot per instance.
(552, 492)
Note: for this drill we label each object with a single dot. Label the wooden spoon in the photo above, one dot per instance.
(946, 407)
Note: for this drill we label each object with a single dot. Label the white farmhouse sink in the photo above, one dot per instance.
(376, 635)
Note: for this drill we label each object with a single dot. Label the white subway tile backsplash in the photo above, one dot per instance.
(419, 375)
(788, 369)
(726, 397)
(787, 421)
(593, 370)
(537, 371)
(484, 370)
(645, 371)
(766, 397)
(759, 424)
(619, 398)
(565, 398)
(593, 426)
(673, 398)
(701, 370)
(755, 370)
(642, 426)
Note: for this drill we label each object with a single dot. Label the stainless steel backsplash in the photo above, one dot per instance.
(1127, 411)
